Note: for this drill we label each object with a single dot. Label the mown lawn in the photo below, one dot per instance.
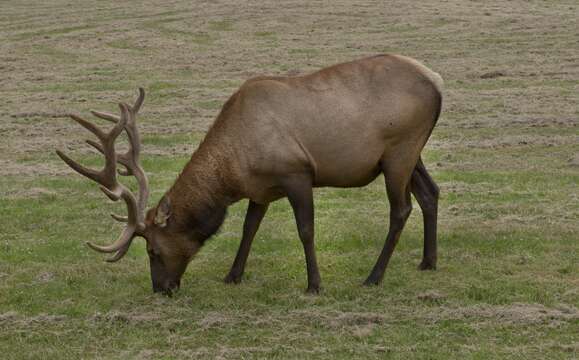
(505, 154)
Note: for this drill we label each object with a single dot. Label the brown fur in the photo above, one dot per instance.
(232, 162)
(341, 126)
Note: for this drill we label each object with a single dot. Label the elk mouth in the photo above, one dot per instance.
(167, 289)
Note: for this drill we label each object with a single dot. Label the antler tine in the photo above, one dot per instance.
(126, 236)
(121, 159)
(119, 254)
(89, 173)
(105, 116)
(137, 105)
(89, 126)
(107, 176)
(132, 225)
(107, 144)
(95, 145)
(116, 131)
(120, 218)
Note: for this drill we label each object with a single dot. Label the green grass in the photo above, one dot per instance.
(266, 34)
(222, 25)
(51, 33)
(491, 271)
(504, 154)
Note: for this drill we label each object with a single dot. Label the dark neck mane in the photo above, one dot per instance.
(201, 194)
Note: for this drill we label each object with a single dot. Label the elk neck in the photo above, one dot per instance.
(203, 191)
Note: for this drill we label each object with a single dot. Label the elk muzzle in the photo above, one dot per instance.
(163, 281)
(167, 287)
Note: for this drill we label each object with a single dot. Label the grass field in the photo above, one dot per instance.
(505, 154)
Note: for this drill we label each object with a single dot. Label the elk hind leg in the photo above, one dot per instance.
(397, 177)
(426, 193)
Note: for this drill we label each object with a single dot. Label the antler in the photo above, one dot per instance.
(107, 176)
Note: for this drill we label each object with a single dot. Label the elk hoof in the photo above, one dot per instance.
(370, 281)
(427, 265)
(313, 290)
(232, 279)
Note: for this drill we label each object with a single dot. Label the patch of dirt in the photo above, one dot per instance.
(506, 141)
(146, 354)
(459, 187)
(570, 348)
(337, 319)
(215, 319)
(8, 316)
(41, 114)
(363, 331)
(362, 323)
(546, 122)
(493, 74)
(13, 168)
(522, 140)
(431, 296)
(217, 352)
(123, 317)
(14, 318)
(180, 149)
(574, 161)
(45, 277)
(517, 313)
(45, 318)
(30, 193)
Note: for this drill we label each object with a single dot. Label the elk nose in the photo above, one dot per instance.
(167, 289)
(173, 285)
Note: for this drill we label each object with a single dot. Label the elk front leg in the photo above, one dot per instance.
(253, 217)
(300, 194)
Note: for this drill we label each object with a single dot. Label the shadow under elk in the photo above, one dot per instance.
(280, 137)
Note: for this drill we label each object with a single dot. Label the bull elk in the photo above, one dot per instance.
(280, 137)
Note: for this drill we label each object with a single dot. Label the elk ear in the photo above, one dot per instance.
(163, 212)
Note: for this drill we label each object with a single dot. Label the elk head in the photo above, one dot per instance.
(168, 247)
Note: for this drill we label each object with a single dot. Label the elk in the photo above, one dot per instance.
(277, 137)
